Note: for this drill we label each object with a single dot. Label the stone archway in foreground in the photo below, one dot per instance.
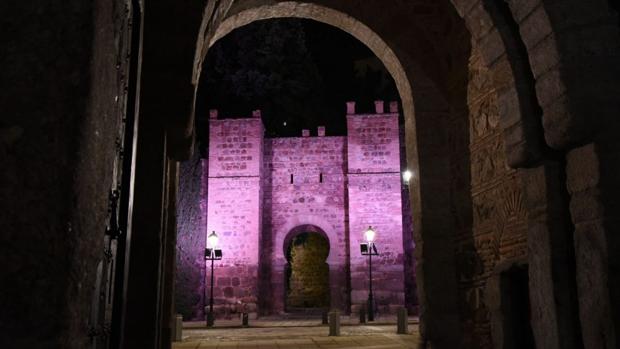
(435, 268)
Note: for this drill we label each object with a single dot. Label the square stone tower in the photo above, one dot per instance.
(374, 189)
(234, 208)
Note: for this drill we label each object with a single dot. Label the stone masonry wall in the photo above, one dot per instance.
(315, 197)
(499, 219)
(375, 200)
(234, 206)
(191, 237)
(259, 194)
(64, 77)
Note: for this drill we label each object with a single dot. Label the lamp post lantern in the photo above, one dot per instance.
(407, 175)
(212, 253)
(369, 248)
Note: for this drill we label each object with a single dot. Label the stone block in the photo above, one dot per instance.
(178, 328)
(350, 108)
(379, 107)
(402, 326)
(334, 323)
(535, 27)
(393, 107)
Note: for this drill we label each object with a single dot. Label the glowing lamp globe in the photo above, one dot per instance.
(407, 176)
(370, 234)
(212, 239)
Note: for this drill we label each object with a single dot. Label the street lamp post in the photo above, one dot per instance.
(369, 248)
(212, 254)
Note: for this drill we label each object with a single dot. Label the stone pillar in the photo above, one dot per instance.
(168, 320)
(191, 227)
(178, 328)
(430, 198)
(334, 323)
(592, 178)
(551, 258)
(375, 200)
(234, 210)
(141, 326)
(402, 326)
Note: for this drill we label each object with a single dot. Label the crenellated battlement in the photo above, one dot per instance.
(379, 108)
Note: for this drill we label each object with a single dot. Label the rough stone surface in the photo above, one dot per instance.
(593, 212)
(62, 77)
(498, 226)
(306, 201)
(373, 154)
(551, 251)
(234, 210)
(189, 282)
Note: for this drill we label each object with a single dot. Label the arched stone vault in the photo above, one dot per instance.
(555, 70)
(569, 50)
(432, 230)
(376, 44)
(527, 69)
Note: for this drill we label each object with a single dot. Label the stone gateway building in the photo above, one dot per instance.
(261, 193)
(511, 122)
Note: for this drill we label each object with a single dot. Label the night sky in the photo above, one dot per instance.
(298, 72)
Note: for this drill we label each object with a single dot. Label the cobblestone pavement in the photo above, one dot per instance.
(297, 334)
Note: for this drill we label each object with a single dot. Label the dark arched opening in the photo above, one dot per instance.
(307, 272)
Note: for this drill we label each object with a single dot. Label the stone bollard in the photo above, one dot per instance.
(334, 323)
(403, 321)
(362, 315)
(210, 319)
(245, 320)
(324, 317)
(178, 328)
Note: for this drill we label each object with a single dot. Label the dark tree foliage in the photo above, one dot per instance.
(298, 72)
(267, 66)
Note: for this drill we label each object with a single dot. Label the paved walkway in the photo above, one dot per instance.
(296, 334)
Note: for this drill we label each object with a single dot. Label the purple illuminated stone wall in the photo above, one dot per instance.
(258, 194)
(301, 200)
(375, 200)
(234, 204)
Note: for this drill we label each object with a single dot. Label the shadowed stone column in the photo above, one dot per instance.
(592, 179)
(142, 306)
(433, 231)
(551, 258)
(168, 320)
